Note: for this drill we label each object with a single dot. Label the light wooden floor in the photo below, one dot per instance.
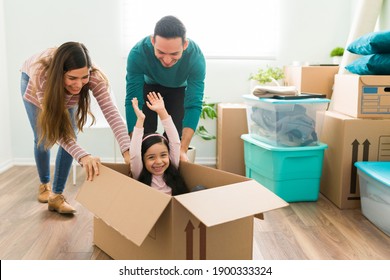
(307, 230)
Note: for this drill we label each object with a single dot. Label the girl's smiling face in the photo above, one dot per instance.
(156, 159)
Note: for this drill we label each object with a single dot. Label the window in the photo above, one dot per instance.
(245, 29)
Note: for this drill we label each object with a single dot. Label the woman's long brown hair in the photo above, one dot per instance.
(54, 121)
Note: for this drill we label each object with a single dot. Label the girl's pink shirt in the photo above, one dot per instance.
(174, 153)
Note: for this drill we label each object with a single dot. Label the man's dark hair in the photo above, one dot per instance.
(170, 27)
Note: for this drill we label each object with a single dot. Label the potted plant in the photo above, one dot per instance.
(209, 111)
(336, 54)
(267, 76)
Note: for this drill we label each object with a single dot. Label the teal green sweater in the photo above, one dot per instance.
(144, 67)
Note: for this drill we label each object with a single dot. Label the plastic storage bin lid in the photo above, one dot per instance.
(269, 147)
(286, 101)
(378, 170)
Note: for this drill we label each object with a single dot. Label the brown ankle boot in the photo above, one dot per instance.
(58, 203)
(44, 192)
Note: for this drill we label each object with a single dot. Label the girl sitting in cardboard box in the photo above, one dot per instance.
(154, 157)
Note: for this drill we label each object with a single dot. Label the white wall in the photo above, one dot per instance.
(309, 29)
(32, 26)
(5, 132)
(384, 18)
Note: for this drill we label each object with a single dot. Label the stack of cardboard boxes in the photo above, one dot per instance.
(356, 128)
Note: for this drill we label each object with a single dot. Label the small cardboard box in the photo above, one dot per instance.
(362, 96)
(134, 221)
(231, 125)
(350, 140)
(314, 79)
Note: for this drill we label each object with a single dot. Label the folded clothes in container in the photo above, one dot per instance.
(290, 128)
(269, 91)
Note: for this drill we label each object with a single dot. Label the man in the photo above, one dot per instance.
(174, 66)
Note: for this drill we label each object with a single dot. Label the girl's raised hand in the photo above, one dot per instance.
(137, 111)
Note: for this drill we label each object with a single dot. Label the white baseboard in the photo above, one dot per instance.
(6, 165)
(208, 161)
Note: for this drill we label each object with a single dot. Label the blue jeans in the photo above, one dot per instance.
(42, 156)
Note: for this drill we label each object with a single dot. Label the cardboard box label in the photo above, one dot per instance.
(362, 96)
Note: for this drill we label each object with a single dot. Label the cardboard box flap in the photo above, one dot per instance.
(376, 80)
(231, 202)
(125, 204)
(196, 174)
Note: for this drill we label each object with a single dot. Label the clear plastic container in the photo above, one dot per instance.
(374, 182)
(291, 123)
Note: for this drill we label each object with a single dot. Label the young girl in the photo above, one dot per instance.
(154, 158)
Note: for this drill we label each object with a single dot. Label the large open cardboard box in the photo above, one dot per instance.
(349, 140)
(365, 96)
(134, 221)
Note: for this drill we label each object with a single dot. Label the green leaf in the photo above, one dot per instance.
(338, 51)
(202, 132)
(266, 75)
(208, 112)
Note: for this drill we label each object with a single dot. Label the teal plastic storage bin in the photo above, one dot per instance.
(285, 123)
(293, 173)
(374, 181)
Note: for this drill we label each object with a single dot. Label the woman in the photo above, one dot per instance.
(55, 86)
